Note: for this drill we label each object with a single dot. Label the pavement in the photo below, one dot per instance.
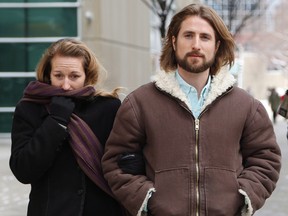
(276, 205)
(14, 195)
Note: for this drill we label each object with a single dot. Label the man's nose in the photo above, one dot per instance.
(196, 43)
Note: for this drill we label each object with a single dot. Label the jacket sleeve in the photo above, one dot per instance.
(261, 157)
(126, 136)
(35, 142)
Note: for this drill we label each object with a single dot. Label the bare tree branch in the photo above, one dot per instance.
(150, 7)
(162, 13)
(238, 13)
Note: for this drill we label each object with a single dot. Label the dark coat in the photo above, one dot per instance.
(41, 156)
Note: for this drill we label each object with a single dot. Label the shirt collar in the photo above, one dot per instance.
(187, 88)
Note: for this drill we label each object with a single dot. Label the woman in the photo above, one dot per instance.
(59, 130)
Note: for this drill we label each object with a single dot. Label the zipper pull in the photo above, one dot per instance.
(197, 124)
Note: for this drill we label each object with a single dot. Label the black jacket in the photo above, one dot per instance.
(41, 156)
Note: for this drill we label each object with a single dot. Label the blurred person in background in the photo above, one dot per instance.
(283, 108)
(274, 101)
(59, 130)
(208, 147)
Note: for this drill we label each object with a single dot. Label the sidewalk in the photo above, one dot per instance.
(276, 205)
(14, 195)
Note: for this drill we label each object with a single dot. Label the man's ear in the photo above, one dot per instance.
(173, 42)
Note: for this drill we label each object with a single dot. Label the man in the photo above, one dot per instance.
(274, 101)
(209, 147)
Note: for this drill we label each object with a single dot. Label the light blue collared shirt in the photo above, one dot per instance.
(192, 95)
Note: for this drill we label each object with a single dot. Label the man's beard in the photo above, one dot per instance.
(193, 66)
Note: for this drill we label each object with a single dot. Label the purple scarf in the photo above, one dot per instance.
(86, 146)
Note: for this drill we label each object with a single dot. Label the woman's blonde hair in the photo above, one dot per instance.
(225, 53)
(73, 48)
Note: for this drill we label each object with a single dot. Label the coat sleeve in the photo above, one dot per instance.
(261, 157)
(35, 142)
(126, 136)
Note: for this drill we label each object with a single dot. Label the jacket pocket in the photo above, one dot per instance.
(221, 192)
(172, 193)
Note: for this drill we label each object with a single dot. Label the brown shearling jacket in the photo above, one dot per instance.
(226, 162)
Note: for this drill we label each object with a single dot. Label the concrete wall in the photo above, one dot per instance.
(119, 34)
(257, 79)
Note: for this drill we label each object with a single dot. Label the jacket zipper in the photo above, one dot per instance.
(197, 166)
(197, 125)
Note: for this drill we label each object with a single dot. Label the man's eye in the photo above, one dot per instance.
(205, 37)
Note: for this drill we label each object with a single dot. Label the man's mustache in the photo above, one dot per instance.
(194, 53)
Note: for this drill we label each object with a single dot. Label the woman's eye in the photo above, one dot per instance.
(58, 75)
(74, 77)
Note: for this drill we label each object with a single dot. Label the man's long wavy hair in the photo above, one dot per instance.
(224, 55)
(69, 47)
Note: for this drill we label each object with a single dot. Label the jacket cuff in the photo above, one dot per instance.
(247, 209)
(145, 202)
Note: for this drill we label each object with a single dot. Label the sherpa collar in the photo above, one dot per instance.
(220, 83)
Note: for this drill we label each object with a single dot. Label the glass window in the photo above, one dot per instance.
(13, 87)
(11, 18)
(20, 57)
(11, 1)
(38, 22)
(6, 122)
